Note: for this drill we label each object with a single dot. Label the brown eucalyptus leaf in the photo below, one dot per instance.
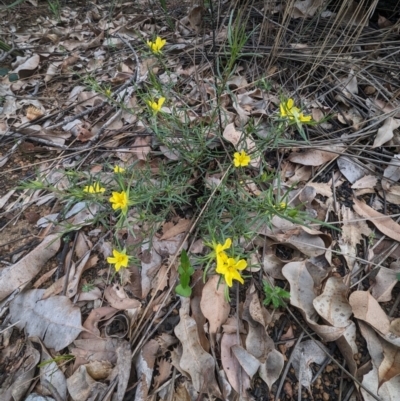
(81, 385)
(49, 371)
(316, 157)
(94, 349)
(302, 295)
(385, 281)
(385, 359)
(258, 343)
(118, 299)
(230, 364)
(383, 223)
(213, 304)
(332, 304)
(366, 308)
(348, 347)
(151, 262)
(73, 284)
(307, 352)
(56, 321)
(271, 370)
(248, 362)
(99, 370)
(123, 367)
(195, 361)
(179, 228)
(197, 314)
(16, 275)
(385, 133)
(92, 321)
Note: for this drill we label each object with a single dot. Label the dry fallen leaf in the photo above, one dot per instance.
(29, 266)
(332, 304)
(385, 133)
(307, 352)
(118, 299)
(195, 361)
(56, 321)
(366, 308)
(271, 370)
(234, 373)
(383, 223)
(213, 304)
(316, 157)
(302, 295)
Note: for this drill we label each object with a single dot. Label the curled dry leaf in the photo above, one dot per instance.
(306, 353)
(383, 223)
(235, 375)
(195, 361)
(213, 304)
(384, 378)
(49, 371)
(74, 282)
(28, 267)
(258, 343)
(385, 133)
(81, 385)
(332, 304)
(366, 308)
(248, 362)
(33, 113)
(385, 281)
(118, 299)
(122, 368)
(92, 321)
(55, 320)
(195, 306)
(151, 262)
(103, 349)
(302, 295)
(348, 347)
(99, 370)
(271, 370)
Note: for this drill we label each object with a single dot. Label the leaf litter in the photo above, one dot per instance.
(342, 288)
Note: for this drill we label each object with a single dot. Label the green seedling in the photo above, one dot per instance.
(274, 295)
(185, 271)
(57, 359)
(88, 287)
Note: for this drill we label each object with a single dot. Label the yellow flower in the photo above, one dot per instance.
(218, 248)
(292, 112)
(156, 106)
(241, 159)
(157, 45)
(118, 169)
(119, 259)
(94, 189)
(280, 206)
(229, 268)
(119, 200)
(108, 92)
